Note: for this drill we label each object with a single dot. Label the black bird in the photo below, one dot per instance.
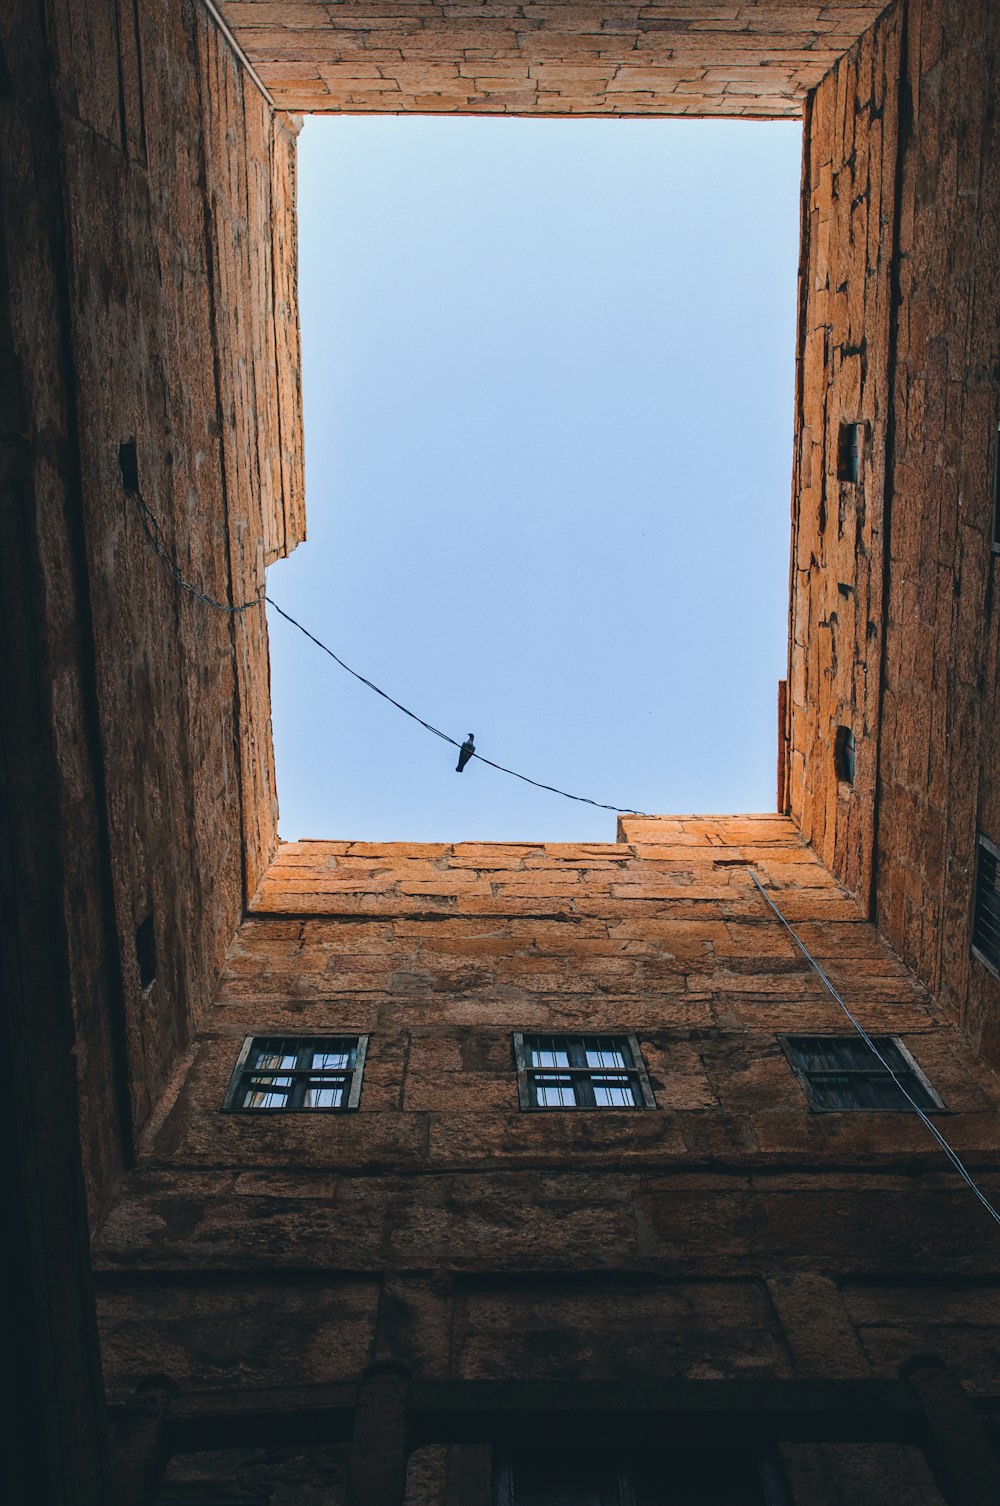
(465, 752)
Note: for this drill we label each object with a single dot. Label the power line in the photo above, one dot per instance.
(553, 789)
(154, 534)
(952, 1155)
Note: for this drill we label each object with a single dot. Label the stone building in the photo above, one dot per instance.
(599, 1202)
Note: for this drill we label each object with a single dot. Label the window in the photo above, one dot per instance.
(298, 1074)
(849, 452)
(986, 916)
(581, 1072)
(842, 1072)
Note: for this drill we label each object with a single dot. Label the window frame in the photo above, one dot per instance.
(805, 1075)
(240, 1079)
(637, 1073)
(983, 845)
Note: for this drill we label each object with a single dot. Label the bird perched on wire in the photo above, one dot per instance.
(465, 752)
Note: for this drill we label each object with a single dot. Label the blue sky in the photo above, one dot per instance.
(548, 383)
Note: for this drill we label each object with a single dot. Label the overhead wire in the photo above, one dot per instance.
(154, 534)
(554, 789)
(952, 1155)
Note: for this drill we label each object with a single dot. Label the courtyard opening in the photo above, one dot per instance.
(548, 390)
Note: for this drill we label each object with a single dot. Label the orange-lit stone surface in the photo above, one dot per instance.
(894, 625)
(548, 57)
(730, 1232)
(250, 1269)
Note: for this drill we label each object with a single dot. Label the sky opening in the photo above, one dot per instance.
(548, 382)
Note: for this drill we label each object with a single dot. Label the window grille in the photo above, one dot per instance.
(986, 915)
(297, 1074)
(581, 1072)
(841, 1072)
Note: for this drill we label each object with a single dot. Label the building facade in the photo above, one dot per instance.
(495, 1173)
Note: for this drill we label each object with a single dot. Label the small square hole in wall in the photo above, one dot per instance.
(996, 492)
(843, 755)
(145, 952)
(849, 452)
(128, 464)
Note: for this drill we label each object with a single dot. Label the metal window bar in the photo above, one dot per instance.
(986, 913)
(843, 1073)
(296, 1074)
(581, 1072)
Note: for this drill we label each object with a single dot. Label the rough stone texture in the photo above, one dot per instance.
(170, 256)
(545, 57)
(146, 260)
(729, 1233)
(939, 766)
(842, 376)
(893, 619)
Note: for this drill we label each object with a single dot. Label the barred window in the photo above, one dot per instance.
(841, 1072)
(298, 1074)
(986, 916)
(581, 1072)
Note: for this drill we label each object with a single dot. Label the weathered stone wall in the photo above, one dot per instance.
(730, 1233)
(161, 248)
(545, 57)
(939, 768)
(893, 622)
(843, 377)
(147, 293)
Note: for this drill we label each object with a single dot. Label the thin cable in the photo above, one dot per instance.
(621, 809)
(371, 685)
(553, 789)
(952, 1155)
(154, 534)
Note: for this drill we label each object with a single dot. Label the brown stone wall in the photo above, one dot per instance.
(939, 767)
(152, 274)
(842, 377)
(730, 1233)
(545, 57)
(893, 619)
